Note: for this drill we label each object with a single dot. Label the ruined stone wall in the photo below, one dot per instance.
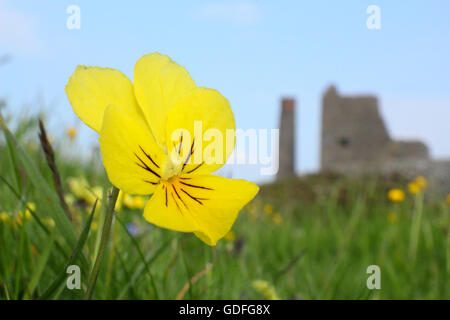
(354, 134)
(352, 130)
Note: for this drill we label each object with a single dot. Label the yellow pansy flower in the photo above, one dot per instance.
(396, 195)
(144, 153)
(414, 188)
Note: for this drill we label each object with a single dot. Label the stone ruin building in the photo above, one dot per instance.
(287, 138)
(354, 140)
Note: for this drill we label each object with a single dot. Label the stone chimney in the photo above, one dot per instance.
(287, 138)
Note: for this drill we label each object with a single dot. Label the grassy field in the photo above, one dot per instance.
(301, 238)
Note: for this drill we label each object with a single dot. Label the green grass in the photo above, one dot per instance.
(329, 230)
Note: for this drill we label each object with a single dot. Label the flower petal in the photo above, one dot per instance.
(166, 210)
(91, 89)
(158, 83)
(131, 156)
(206, 205)
(208, 121)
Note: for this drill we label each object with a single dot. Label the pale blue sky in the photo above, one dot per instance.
(253, 52)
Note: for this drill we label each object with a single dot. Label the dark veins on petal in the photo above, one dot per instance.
(142, 164)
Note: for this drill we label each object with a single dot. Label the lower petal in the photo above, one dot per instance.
(165, 210)
(206, 205)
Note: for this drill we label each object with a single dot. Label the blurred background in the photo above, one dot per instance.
(253, 52)
(376, 73)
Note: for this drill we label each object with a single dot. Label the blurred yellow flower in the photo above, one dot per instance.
(448, 198)
(27, 214)
(97, 192)
(49, 221)
(396, 195)
(133, 202)
(77, 186)
(251, 207)
(268, 209)
(4, 217)
(81, 189)
(230, 236)
(392, 217)
(252, 210)
(421, 182)
(414, 187)
(70, 199)
(265, 289)
(277, 218)
(71, 132)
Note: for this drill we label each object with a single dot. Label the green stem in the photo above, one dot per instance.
(103, 243)
(415, 228)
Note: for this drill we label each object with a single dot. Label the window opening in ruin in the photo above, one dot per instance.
(344, 142)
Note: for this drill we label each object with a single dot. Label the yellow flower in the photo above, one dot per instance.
(230, 236)
(277, 218)
(265, 289)
(448, 199)
(133, 202)
(268, 209)
(396, 195)
(163, 135)
(81, 189)
(70, 199)
(49, 221)
(421, 182)
(392, 217)
(414, 188)
(71, 132)
(4, 217)
(27, 214)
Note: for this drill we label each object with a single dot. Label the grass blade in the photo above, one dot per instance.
(48, 199)
(73, 257)
(141, 255)
(40, 265)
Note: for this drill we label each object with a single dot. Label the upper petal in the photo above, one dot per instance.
(131, 156)
(91, 89)
(201, 130)
(158, 83)
(206, 205)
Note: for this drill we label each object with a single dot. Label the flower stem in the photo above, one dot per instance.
(103, 243)
(415, 228)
